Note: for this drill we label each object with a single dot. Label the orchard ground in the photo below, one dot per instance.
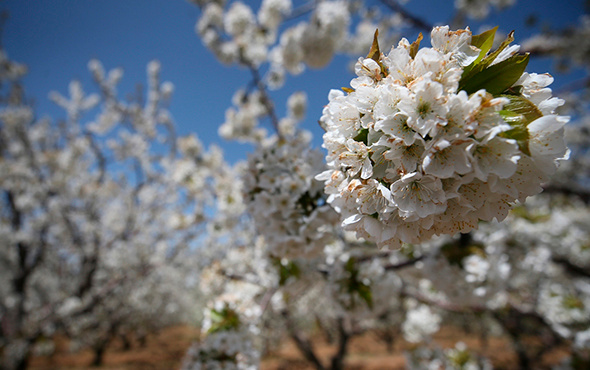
(166, 349)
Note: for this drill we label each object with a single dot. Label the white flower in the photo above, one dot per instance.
(457, 43)
(419, 195)
(444, 158)
(498, 156)
(397, 127)
(546, 142)
(356, 158)
(424, 107)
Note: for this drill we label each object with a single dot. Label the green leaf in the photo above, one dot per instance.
(492, 56)
(364, 291)
(354, 285)
(518, 113)
(497, 78)
(483, 42)
(288, 270)
(533, 217)
(473, 73)
(223, 320)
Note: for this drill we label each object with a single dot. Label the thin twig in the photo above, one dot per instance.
(303, 344)
(414, 20)
(264, 98)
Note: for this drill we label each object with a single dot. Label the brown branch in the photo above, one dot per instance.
(414, 20)
(571, 268)
(303, 344)
(343, 339)
(401, 265)
(583, 194)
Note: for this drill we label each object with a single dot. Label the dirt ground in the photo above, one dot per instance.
(165, 351)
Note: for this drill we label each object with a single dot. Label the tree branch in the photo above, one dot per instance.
(343, 339)
(302, 343)
(414, 20)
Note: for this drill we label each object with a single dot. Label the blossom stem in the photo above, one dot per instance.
(264, 99)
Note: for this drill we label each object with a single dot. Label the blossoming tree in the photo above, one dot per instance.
(428, 149)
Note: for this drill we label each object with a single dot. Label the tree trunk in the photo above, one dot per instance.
(99, 353)
(126, 342)
(23, 362)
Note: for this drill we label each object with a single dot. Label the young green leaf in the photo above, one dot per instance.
(483, 42)
(223, 320)
(497, 78)
(488, 60)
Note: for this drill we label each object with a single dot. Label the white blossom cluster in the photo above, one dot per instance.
(412, 154)
(242, 120)
(470, 273)
(229, 346)
(420, 322)
(238, 33)
(232, 320)
(285, 200)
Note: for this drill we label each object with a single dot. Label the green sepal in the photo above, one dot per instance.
(518, 113)
(497, 78)
(362, 136)
(347, 90)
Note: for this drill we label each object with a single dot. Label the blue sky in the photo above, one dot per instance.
(57, 38)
